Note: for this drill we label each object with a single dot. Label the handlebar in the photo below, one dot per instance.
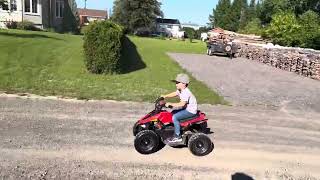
(159, 104)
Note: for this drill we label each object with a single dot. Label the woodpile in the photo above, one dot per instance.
(301, 61)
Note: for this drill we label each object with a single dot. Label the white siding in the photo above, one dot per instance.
(17, 15)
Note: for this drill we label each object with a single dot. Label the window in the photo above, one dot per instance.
(13, 5)
(34, 6)
(30, 6)
(27, 6)
(169, 26)
(59, 8)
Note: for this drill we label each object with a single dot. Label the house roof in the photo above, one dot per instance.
(92, 12)
(190, 24)
(167, 21)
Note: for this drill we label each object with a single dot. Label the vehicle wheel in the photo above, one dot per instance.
(210, 52)
(136, 129)
(146, 142)
(228, 48)
(199, 144)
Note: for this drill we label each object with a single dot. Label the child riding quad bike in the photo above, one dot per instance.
(153, 131)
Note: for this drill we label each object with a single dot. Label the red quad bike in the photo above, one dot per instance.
(153, 131)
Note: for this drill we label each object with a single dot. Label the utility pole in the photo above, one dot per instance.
(85, 4)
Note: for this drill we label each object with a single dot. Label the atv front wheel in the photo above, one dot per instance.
(146, 142)
(199, 144)
(136, 128)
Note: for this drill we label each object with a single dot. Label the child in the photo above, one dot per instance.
(188, 103)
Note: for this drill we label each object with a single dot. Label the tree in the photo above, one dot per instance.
(310, 22)
(258, 9)
(136, 14)
(189, 32)
(284, 29)
(253, 27)
(220, 16)
(70, 21)
(238, 14)
(252, 10)
(270, 8)
(301, 6)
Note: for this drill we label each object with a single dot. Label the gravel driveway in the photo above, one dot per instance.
(57, 139)
(245, 82)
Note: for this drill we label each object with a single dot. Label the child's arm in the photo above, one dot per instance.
(173, 94)
(179, 104)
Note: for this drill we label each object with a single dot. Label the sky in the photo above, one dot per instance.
(194, 11)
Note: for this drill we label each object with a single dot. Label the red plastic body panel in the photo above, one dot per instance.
(166, 117)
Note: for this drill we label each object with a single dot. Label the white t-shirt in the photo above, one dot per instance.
(187, 96)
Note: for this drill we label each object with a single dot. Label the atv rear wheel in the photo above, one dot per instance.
(199, 144)
(146, 142)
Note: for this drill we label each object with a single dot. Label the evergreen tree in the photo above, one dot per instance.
(136, 14)
(252, 10)
(258, 9)
(272, 7)
(238, 14)
(221, 15)
(301, 6)
(70, 22)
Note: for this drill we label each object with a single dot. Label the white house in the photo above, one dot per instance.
(43, 13)
(170, 27)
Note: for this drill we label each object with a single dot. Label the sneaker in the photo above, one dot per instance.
(176, 139)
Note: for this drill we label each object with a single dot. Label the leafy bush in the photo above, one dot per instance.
(102, 47)
(284, 29)
(12, 24)
(83, 29)
(310, 22)
(27, 25)
(189, 32)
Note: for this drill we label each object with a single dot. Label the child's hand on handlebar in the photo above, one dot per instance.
(168, 105)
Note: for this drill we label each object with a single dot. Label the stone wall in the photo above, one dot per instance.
(304, 62)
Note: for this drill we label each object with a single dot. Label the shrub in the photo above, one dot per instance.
(27, 25)
(11, 24)
(83, 29)
(310, 29)
(102, 47)
(284, 29)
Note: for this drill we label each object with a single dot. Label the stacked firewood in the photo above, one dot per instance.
(300, 61)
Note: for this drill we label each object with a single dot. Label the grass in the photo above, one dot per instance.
(46, 63)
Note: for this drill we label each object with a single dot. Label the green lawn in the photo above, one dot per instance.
(52, 64)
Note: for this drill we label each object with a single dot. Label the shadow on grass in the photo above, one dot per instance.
(21, 35)
(130, 58)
